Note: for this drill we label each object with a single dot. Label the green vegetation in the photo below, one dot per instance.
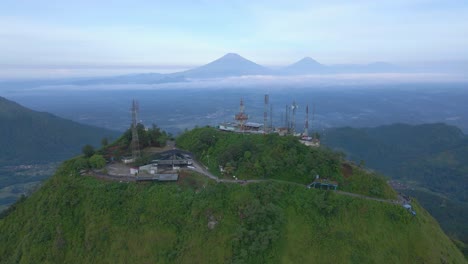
(147, 137)
(272, 156)
(259, 156)
(75, 218)
(452, 215)
(433, 155)
(28, 137)
(38, 140)
(431, 158)
(88, 151)
(97, 161)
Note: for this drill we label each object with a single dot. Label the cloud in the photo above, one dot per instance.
(266, 82)
(59, 44)
(269, 32)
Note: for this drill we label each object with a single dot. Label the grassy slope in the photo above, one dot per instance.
(434, 156)
(81, 219)
(31, 137)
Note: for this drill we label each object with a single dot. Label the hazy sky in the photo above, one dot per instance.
(147, 33)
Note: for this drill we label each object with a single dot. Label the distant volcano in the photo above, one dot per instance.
(305, 66)
(230, 64)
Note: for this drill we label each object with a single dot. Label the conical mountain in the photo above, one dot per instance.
(306, 65)
(230, 64)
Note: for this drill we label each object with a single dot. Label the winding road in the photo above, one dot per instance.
(202, 170)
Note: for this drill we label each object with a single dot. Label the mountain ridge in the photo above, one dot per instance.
(26, 133)
(229, 65)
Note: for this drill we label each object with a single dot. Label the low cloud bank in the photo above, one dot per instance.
(280, 82)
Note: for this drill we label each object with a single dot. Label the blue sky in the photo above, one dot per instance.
(183, 33)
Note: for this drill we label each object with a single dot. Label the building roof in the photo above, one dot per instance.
(168, 177)
(252, 124)
(159, 177)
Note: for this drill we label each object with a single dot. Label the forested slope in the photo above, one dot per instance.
(432, 159)
(28, 136)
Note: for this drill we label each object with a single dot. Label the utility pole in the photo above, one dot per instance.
(294, 106)
(135, 142)
(306, 126)
(265, 115)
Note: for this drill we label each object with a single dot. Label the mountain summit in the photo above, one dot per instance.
(231, 64)
(306, 65)
(273, 219)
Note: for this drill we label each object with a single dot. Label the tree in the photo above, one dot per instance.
(97, 161)
(81, 163)
(104, 142)
(88, 150)
(362, 163)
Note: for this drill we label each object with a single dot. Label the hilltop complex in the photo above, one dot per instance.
(241, 124)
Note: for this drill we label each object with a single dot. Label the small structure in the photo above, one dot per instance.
(252, 126)
(127, 160)
(323, 184)
(310, 142)
(230, 127)
(409, 208)
(134, 171)
(150, 168)
(162, 177)
(173, 159)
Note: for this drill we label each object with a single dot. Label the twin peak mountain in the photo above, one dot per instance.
(233, 64)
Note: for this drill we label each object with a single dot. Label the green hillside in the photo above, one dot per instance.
(79, 219)
(430, 158)
(38, 141)
(249, 156)
(28, 136)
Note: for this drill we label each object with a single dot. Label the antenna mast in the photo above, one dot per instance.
(294, 106)
(271, 117)
(241, 116)
(306, 126)
(265, 115)
(135, 142)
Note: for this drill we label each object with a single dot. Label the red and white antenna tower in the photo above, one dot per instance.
(241, 117)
